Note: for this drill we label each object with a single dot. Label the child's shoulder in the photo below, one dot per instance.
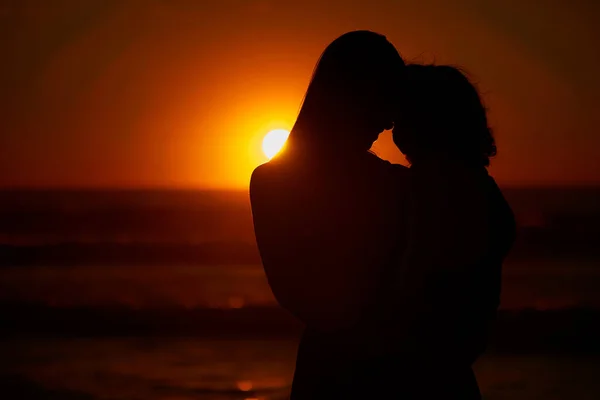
(400, 173)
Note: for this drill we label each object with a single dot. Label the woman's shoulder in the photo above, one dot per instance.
(273, 179)
(260, 173)
(269, 170)
(266, 187)
(263, 176)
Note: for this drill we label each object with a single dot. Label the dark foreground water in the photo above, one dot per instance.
(179, 368)
(98, 263)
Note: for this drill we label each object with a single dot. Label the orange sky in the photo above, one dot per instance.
(179, 92)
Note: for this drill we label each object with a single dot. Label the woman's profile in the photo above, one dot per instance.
(324, 208)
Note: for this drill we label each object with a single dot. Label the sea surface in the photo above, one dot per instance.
(142, 251)
(541, 285)
(191, 368)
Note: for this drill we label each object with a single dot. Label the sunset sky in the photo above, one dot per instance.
(179, 93)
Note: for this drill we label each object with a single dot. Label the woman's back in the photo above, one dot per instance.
(324, 233)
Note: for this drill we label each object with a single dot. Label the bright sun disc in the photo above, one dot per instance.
(274, 141)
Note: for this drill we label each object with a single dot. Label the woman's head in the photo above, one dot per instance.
(351, 97)
(443, 115)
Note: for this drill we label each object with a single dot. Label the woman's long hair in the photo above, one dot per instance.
(351, 95)
(443, 115)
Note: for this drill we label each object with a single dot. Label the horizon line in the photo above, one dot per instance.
(9, 188)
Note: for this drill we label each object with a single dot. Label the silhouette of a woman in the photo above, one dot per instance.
(324, 209)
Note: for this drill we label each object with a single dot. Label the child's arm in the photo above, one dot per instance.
(446, 234)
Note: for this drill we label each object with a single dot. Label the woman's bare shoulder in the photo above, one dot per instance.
(262, 175)
(270, 179)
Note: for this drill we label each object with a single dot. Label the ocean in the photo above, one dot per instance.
(191, 368)
(158, 294)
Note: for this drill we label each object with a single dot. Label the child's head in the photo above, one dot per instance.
(443, 116)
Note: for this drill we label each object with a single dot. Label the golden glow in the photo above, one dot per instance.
(273, 142)
(244, 386)
(236, 302)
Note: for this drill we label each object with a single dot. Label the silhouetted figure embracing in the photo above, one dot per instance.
(324, 208)
(394, 271)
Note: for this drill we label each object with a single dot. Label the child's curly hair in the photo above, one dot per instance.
(443, 114)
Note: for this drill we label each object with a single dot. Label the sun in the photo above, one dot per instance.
(273, 142)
